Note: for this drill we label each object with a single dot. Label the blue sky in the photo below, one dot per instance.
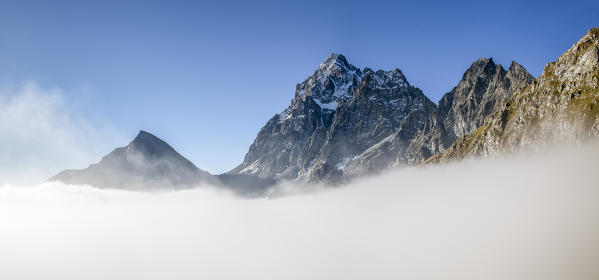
(206, 77)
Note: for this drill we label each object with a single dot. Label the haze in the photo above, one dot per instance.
(517, 218)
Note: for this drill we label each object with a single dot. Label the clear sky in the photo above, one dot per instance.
(206, 77)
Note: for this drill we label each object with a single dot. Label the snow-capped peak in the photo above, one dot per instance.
(335, 78)
(388, 79)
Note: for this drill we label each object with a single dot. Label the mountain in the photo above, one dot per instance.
(483, 87)
(345, 122)
(146, 163)
(149, 163)
(561, 105)
(335, 115)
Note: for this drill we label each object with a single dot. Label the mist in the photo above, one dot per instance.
(532, 217)
(41, 134)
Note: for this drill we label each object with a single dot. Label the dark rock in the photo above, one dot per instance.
(336, 114)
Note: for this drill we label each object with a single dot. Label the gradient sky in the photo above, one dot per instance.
(205, 77)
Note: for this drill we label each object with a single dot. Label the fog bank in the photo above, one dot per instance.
(527, 218)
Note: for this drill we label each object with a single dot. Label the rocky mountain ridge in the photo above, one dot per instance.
(345, 122)
(336, 113)
(483, 87)
(561, 105)
(348, 122)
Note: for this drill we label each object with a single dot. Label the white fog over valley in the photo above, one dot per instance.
(529, 217)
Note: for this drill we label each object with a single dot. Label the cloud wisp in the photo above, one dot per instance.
(41, 135)
(527, 218)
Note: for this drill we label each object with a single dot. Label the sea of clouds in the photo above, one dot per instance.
(533, 217)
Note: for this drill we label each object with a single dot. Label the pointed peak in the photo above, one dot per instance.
(486, 65)
(518, 72)
(397, 71)
(387, 79)
(480, 67)
(144, 136)
(143, 132)
(149, 144)
(515, 66)
(484, 61)
(335, 58)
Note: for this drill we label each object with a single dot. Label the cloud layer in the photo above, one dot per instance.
(527, 218)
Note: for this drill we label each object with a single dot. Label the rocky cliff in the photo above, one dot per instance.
(561, 105)
(483, 88)
(336, 114)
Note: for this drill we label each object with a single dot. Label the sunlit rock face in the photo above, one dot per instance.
(337, 113)
(484, 87)
(146, 163)
(561, 105)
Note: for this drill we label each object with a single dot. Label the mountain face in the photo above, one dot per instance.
(344, 122)
(484, 87)
(146, 163)
(336, 114)
(561, 105)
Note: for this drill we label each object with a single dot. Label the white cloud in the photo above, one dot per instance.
(531, 218)
(40, 135)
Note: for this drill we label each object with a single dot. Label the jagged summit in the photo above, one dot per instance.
(484, 86)
(561, 105)
(386, 79)
(335, 59)
(336, 113)
(481, 62)
(481, 67)
(334, 79)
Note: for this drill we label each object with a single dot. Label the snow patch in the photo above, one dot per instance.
(386, 80)
(329, 106)
(341, 165)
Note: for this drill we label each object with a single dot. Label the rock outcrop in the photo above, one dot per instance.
(561, 105)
